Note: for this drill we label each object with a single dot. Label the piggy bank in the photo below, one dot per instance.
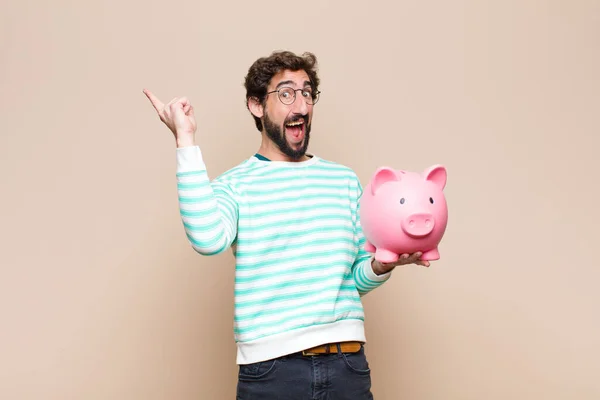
(404, 212)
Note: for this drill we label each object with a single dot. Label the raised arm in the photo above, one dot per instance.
(209, 210)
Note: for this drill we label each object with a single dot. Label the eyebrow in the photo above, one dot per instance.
(306, 83)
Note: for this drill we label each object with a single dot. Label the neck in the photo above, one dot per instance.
(270, 150)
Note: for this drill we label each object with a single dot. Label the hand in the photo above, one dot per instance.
(179, 117)
(382, 268)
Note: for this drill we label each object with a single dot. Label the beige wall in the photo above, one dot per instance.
(102, 298)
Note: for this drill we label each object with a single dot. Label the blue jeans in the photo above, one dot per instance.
(335, 376)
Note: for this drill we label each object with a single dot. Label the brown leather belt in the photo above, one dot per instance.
(331, 348)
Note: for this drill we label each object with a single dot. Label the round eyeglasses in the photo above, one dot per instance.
(287, 95)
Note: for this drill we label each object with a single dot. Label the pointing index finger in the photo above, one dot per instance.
(156, 103)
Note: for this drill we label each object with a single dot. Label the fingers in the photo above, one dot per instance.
(412, 259)
(416, 257)
(188, 109)
(177, 114)
(175, 103)
(184, 104)
(156, 103)
(179, 103)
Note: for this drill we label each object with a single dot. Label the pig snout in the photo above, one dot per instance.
(418, 225)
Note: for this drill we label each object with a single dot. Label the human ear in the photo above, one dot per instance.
(255, 107)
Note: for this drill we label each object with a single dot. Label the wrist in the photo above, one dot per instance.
(377, 267)
(185, 141)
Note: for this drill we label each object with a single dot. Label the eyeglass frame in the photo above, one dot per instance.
(317, 93)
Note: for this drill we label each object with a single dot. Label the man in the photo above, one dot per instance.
(291, 220)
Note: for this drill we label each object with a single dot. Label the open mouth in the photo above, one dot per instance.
(295, 129)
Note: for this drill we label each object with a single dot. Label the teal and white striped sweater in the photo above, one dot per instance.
(294, 230)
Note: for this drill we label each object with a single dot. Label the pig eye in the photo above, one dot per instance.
(431, 200)
(402, 200)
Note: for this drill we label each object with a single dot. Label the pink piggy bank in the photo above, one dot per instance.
(404, 212)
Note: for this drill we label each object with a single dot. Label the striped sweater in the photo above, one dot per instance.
(294, 230)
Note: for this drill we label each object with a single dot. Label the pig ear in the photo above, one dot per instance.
(436, 174)
(381, 176)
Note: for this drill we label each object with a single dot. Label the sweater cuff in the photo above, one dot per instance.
(189, 158)
(371, 275)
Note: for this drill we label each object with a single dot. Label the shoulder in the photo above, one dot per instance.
(248, 170)
(233, 173)
(336, 167)
(342, 172)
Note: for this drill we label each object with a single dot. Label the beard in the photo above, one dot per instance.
(277, 135)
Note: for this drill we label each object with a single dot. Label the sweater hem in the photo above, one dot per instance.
(300, 339)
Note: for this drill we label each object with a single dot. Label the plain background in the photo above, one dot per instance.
(101, 297)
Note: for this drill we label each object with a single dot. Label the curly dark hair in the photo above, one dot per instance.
(262, 71)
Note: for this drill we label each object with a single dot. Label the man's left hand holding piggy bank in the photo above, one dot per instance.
(383, 268)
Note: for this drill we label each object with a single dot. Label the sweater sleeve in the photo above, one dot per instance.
(364, 277)
(209, 210)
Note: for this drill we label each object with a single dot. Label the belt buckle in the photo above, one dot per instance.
(308, 352)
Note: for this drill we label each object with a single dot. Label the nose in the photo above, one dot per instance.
(418, 225)
(300, 106)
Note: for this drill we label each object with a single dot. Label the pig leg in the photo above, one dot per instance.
(369, 247)
(432, 254)
(386, 256)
